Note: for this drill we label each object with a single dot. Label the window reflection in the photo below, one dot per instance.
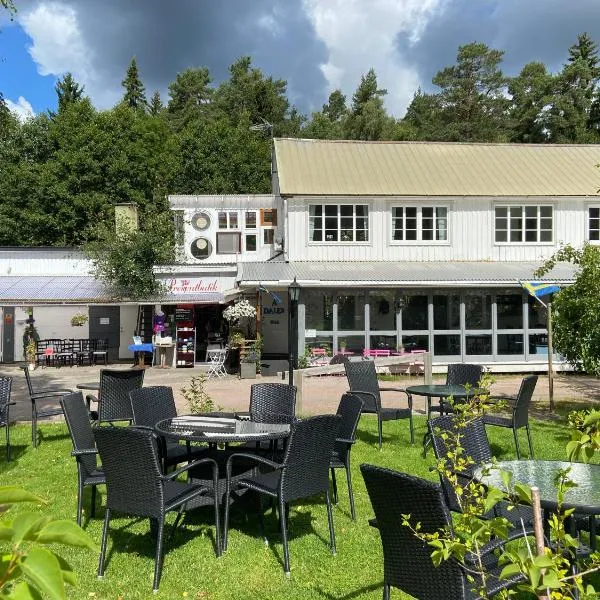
(382, 311)
(478, 311)
(538, 314)
(319, 309)
(351, 311)
(414, 313)
(510, 311)
(446, 312)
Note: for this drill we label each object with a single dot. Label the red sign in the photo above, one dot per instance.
(8, 319)
(191, 285)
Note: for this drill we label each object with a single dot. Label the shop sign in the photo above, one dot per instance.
(183, 314)
(310, 333)
(8, 318)
(191, 285)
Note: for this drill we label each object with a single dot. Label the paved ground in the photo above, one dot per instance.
(321, 394)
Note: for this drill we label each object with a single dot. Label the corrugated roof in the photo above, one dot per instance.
(355, 168)
(398, 273)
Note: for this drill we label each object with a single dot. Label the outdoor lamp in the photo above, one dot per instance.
(294, 291)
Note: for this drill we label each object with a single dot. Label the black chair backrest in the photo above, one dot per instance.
(362, 376)
(131, 464)
(406, 559)
(349, 409)
(307, 456)
(474, 442)
(464, 374)
(78, 422)
(152, 404)
(521, 410)
(115, 404)
(273, 402)
(5, 389)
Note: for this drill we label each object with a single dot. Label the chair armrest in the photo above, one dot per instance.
(185, 468)
(144, 427)
(49, 393)
(91, 398)
(247, 455)
(345, 440)
(84, 451)
(393, 389)
(362, 392)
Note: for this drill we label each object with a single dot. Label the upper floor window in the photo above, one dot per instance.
(228, 243)
(420, 223)
(338, 223)
(250, 218)
(228, 219)
(268, 216)
(594, 224)
(529, 224)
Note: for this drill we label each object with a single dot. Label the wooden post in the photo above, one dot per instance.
(427, 368)
(550, 352)
(538, 527)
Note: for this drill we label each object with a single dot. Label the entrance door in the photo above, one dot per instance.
(8, 334)
(105, 323)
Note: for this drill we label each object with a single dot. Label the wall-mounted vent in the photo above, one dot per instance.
(201, 248)
(201, 221)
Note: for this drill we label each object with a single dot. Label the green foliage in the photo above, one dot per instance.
(31, 568)
(575, 324)
(191, 96)
(135, 93)
(68, 91)
(198, 399)
(585, 434)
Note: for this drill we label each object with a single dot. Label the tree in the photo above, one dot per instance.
(472, 98)
(135, 96)
(155, 107)
(329, 123)
(68, 91)
(190, 96)
(424, 116)
(575, 323)
(9, 5)
(335, 108)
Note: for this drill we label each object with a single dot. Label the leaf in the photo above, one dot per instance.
(26, 526)
(543, 561)
(24, 591)
(65, 532)
(523, 492)
(43, 569)
(509, 571)
(13, 495)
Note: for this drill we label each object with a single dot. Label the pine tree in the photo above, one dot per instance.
(135, 93)
(155, 107)
(68, 91)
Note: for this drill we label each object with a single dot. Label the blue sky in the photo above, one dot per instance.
(315, 45)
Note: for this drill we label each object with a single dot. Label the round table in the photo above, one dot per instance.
(430, 391)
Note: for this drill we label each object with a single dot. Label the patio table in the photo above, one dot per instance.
(458, 392)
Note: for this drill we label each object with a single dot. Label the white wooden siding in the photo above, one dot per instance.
(470, 230)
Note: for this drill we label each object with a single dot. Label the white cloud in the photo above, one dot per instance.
(21, 108)
(59, 47)
(360, 35)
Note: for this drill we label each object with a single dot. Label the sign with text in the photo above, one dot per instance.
(190, 285)
(184, 313)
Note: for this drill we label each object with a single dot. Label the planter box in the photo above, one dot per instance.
(247, 370)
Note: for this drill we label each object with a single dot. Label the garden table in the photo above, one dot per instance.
(458, 392)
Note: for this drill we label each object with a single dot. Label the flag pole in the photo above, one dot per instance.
(550, 353)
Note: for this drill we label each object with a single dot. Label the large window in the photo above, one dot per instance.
(334, 223)
(419, 223)
(228, 243)
(523, 224)
(594, 224)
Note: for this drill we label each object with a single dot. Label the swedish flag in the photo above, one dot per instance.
(538, 289)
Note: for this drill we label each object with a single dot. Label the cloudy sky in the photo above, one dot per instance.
(315, 45)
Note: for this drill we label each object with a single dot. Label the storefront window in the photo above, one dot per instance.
(444, 344)
(351, 311)
(446, 312)
(538, 344)
(414, 312)
(478, 311)
(415, 342)
(382, 342)
(538, 314)
(510, 311)
(318, 309)
(478, 345)
(321, 341)
(352, 343)
(510, 343)
(382, 311)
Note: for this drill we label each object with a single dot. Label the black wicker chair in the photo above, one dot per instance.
(113, 399)
(39, 403)
(84, 449)
(150, 405)
(136, 486)
(475, 444)
(519, 408)
(5, 404)
(458, 374)
(273, 403)
(349, 410)
(362, 379)
(303, 473)
(407, 563)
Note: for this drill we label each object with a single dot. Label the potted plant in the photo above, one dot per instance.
(30, 353)
(79, 319)
(248, 365)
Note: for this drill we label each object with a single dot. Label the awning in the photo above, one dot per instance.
(52, 290)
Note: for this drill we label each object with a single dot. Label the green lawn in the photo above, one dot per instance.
(248, 569)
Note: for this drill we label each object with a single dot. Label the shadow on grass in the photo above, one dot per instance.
(16, 452)
(355, 594)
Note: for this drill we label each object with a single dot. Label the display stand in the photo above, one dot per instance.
(185, 336)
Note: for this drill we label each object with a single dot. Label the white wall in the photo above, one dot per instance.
(470, 228)
(55, 322)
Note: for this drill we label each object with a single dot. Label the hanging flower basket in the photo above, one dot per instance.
(79, 319)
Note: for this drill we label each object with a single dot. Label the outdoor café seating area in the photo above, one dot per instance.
(70, 352)
(208, 482)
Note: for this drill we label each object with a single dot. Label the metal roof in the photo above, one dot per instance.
(414, 274)
(357, 168)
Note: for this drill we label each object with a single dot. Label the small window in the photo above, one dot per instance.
(250, 242)
(268, 236)
(250, 219)
(268, 216)
(228, 243)
(594, 224)
(201, 221)
(228, 219)
(201, 248)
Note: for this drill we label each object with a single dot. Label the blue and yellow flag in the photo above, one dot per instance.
(538, 289)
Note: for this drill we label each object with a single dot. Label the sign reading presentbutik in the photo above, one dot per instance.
(192, 285)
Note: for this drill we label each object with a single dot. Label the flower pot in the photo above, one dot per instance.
(247, 370)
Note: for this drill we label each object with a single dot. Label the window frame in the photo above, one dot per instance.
(228, 214)
(228, 233)
(588, 228)
(339, 217)
(523, 218)
(419, 224)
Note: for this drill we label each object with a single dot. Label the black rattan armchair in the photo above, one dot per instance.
(519, 408)
(136, 486)
(5, 404)
(40, 399)
(458, 374)
(150, 405)
(113, 399)
(303, 473)
(349, 410)
(362, 379)
(84, 449)
(273, 402)
(407, 563)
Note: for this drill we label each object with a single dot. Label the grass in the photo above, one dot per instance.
(248, 568)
